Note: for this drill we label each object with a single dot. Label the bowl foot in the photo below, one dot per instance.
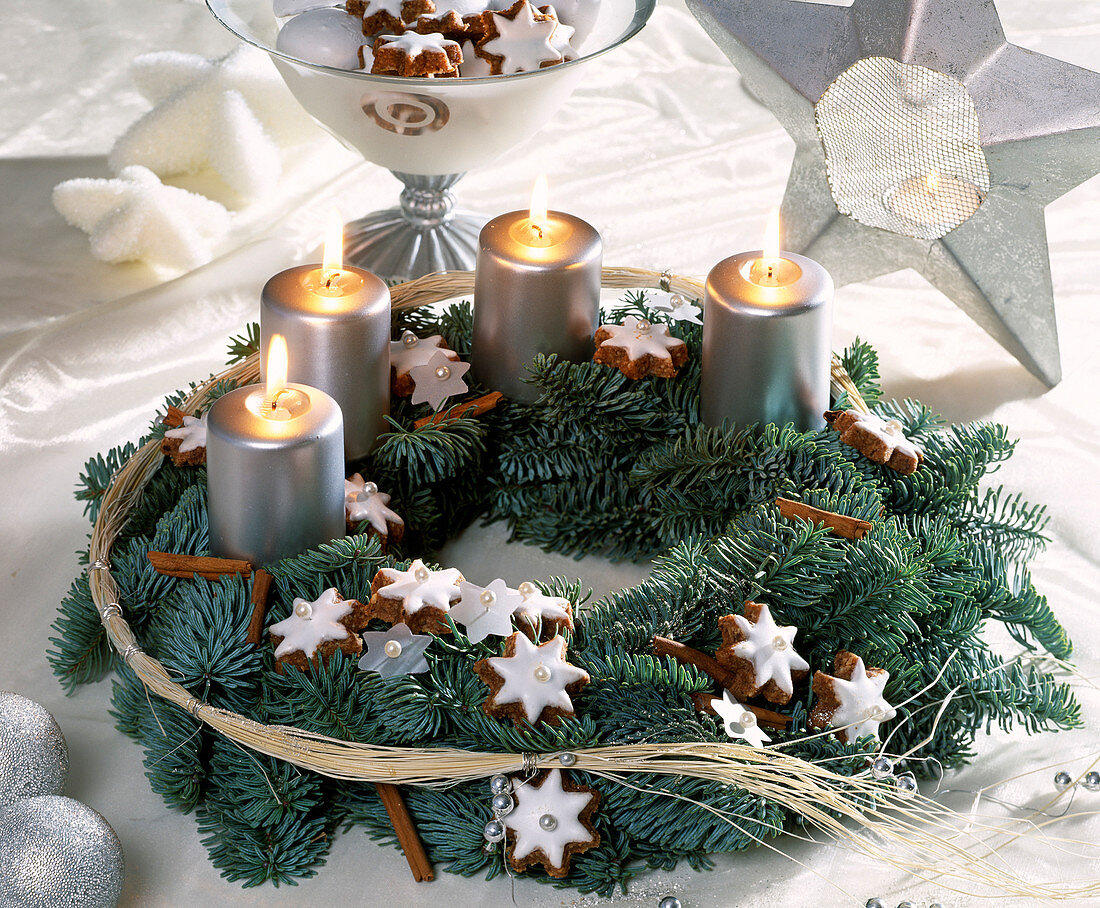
(424, 235)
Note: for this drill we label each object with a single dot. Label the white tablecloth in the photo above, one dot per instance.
(663, 152)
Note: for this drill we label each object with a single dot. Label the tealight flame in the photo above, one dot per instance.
(333, 260)
(771, 239)
(932, 181)
(277, 367)
(538, 217)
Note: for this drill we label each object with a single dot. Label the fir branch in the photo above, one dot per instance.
(242, 346)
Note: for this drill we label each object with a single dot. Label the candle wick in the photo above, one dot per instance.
(330, 277)
(538, 229)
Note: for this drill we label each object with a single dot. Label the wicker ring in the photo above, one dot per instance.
(111, 610)
(100, 564)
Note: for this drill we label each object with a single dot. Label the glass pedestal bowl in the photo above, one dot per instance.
(427, 132)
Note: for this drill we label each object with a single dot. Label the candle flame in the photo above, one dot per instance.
(333, 259)
(771, 237)
(933, 181)
(277, 367)
(538, 216)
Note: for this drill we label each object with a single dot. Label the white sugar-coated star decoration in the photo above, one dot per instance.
(739, 721)
(395, 652)
(770, 649)
(547, 818)
(677, 308)
(136, 218)
(523, 43)
(486, 610)
(639, 337)
(420, 586)
(537, 610)
(1037, 136)
(229, 115)
(439, 378)
(862, 707)
(363, 501)
(536, 676)
(191, 435)
(416, 351)
(312, 623)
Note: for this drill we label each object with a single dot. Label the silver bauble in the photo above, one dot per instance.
(56, 852)
(33, 757)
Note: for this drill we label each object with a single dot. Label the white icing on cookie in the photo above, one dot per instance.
(862, 707)
(890, 432)
(363, 501)
(473, 66)
(523, 43)
(415, 44)
(485, 610)
(536, 608)
(305, 634)
(548, 799)
(373, 7)
(638, 337)
(420, 586)
(536, 676)
(739, 721)
(192, 434)
(416, 351)
(770, 649)
(581, 14)
(562, 37)
(460, 8)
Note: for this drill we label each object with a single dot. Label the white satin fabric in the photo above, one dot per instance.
(663, 152)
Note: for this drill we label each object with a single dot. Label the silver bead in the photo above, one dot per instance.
(935, 905)
(500, 783)
(542, 673)
(669, 901)
(421, 575)
(487, 598)
(370, 488)
(906, 784)
(548, 822)
(1062, 780)
(392, 648)
(502, 803)
(567, 759)
(33, 757)
(527, 589)
(874, 903)
(643, 325)
(303, 609)
(882, 767)
(494, 831)
(409, 339)
(905, 904)
(1092, 780)
(443, 373)
(57, 851)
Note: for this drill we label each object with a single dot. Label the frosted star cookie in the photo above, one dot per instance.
(638, 348)
(551, 822)
(363, 502)
(413, 54)
(519, 39)
(760, 654)
(851, 701)
(880, 441)
(419, 597)
(531, 683)
(315, 630)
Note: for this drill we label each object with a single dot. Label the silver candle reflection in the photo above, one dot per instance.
(336, 321)
(767, 328)
(537, 290)
(275, 465)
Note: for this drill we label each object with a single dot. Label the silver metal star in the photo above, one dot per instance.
(395, 652)
(1039, 124)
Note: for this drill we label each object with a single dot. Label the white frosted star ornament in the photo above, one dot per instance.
(862, 707)
(416, 351)
(229, 115)
(739, 721)
(363, 501)
(639, 337)
(538, 611)
(523, 42)
(395, 652)
(678, 308)
(420, 586)
(137, 218)
(536, 677)
(550, 823)
(312, 623)
(486, 610)
(439, 378)
(770, 649)
(191, 435)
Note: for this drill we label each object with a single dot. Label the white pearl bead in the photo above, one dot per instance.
(779, 644)
(644, 325)
(487, 597)
(392, 648)
(542, 673)
(304, 609)
(409, 339)
(443, 373)
(527, 589)
(369, 488)
(747, 720)
(421, 575)
(548, 822)
(676, 301)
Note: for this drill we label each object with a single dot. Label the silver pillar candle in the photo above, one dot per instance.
(275, 474)
(767, 327)
(537, 290)
(337, 328)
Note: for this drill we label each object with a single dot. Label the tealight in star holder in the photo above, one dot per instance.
(924, 140)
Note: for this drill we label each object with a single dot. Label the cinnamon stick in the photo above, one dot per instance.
(475, 407)
(190, 566)
(261, 589)
(406, 832)
(840, 524)
(662, 646)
